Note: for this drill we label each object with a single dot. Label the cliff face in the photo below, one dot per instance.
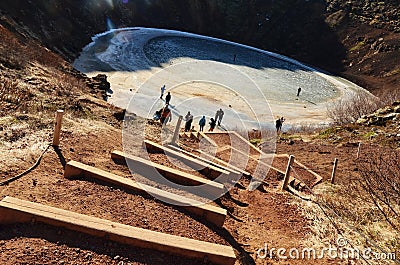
(358, 39)
(370, 33)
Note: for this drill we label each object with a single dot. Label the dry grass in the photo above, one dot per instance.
(352, 107)
(338, 215)
(364, 209)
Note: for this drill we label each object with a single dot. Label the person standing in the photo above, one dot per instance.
(298, 91)
(202, 123)
(216, 115)
(189, 119)
(165, 115)
(168, 98)
(162, 91)
(212, 124)
(278, 124)
(220, 116)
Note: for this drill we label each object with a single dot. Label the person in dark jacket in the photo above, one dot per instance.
(168, 98)
(202, 123)
(212, 123)
(278, 124)
(189, 119)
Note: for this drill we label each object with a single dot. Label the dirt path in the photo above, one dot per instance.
(255, 218)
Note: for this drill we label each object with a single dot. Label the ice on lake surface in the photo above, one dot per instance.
(203, 74)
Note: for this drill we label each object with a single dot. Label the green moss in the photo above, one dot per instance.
(329, 131)
(369, 135)
(255, 142)
(358, 46)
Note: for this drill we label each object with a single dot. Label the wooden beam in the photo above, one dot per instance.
(225, 165)
(258, 160)
(318, 177)
(250, 144)
(14, 210)
(211, 213)
(334, 171)
(287, 174)
(208, 139)
(208, 170)
(177, 129)
(57, 129)
(146, 167)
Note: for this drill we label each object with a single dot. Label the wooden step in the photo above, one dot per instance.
(215, 215)
(193, 136)
(225, 165)
(148, 168)
(208, 170)
(202, 135)
(14, 210)
(224, 148)
(258, 160)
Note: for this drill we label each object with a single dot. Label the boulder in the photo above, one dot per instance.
(99, 82)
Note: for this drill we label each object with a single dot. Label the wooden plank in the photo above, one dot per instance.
(250, 144)
(319, 178)
(208, 170)
(208, 139)
(215, 215)
(222, 164)
(261, 162)
(14, 210)
(224, 148)
(193, 136)
(241, 138)
(178, 149)
(218, 132)
(146, 167)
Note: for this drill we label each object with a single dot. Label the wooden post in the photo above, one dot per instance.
(334, 171)
(57, 129)
(287, 174)
(177, 129)
(358, 150)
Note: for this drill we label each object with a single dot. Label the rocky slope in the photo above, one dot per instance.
(357, 39)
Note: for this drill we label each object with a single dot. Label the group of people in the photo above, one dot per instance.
(164, 115)
(167, 97)
(203, 121)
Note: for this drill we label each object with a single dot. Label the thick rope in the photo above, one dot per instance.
(27, 171)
